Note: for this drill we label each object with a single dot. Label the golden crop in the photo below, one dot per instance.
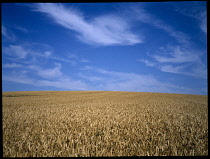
(103, 123)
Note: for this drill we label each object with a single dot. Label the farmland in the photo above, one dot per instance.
(103, 123)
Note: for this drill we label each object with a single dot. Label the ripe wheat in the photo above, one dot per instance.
(97, 123)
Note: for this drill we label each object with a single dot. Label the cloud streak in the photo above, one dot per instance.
(7, 34)
(167, 58)
(203, 21)
(64, 83)
(32, 71)
(39, 65)
(142, 15)
(47, 73)
(24, 30)
(16, 51)
(61, 83)
(171, 69)
(120, 81)
(35, 53)
(102, 30)
(12, 65)
(95, 79)
(148, 63)
(177, 54)
(198, 13)
(184, 53)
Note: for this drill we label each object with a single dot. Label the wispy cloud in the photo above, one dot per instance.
(178, 59)
(148, 63)
(47, 73)
(32, 53)
(16, 51)
(62, 83)
(93, 78)
(35, 59)
(84, 60)
(184, 53)
(63, 60)
(203, 21)
(196, 71)
(22, 29)
(12, 65)
(121, 81)
(21, 53)
(171, 69)
(47, 53)
(7, 34)
(177, 54)
(17, 77)
(139, 13)
(102, 30)
(198, 12)
(3, 31)
(72, 56)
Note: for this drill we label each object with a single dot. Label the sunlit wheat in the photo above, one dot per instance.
(97, 123)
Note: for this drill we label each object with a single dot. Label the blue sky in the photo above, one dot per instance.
(138, 47)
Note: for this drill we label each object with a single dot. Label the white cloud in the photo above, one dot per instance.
(12, 65)
(24, 30)
(195, 70)
(103, 30)
(142, 15)
(53, 77)
(17, 78)
(4, 31)
(196, 10)
(64, 83)
(171, 69)
(47, 53)
(198, 71)
(181, 54)
(189, 61)
(7, 34)
(50, 73)
(63, 59)
(203, 21)
(148, 63)
(119, 81)
(177, 54)
(47, 73)
(32, 53)
(99, 79)
(16, 51)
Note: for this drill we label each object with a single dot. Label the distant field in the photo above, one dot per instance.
(100, 123)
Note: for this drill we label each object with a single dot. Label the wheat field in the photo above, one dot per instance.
(103, 123)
